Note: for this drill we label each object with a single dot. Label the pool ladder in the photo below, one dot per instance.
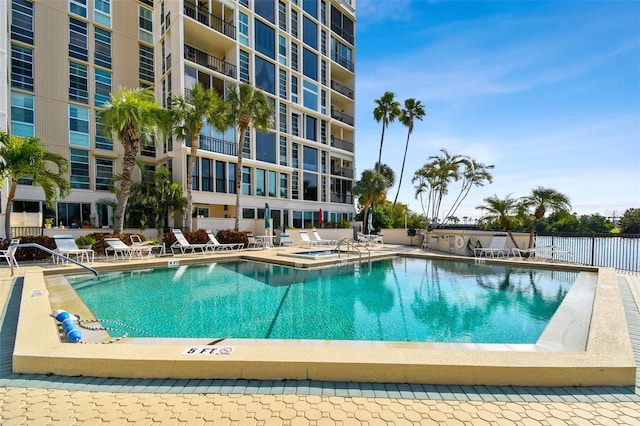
(350, 243)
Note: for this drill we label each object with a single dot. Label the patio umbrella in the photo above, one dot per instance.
(267, 218)
(320, 219)
(370, 220)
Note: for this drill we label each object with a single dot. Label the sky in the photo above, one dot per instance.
(547, 92)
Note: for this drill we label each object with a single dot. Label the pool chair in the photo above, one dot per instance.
(285, 240)
(324, 242)
(215, 245)
(305, 239)
(10, 253)
(496, 248)
(184, 246)
(120, 249)
(253, 241)
(66, 246)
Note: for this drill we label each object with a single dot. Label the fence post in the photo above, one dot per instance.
(593, 247)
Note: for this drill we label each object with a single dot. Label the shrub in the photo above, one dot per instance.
(85, 240)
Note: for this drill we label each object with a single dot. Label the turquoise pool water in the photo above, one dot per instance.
(400, 299)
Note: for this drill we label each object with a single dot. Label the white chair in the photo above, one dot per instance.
(324, 242)
(10, 252)
(183, 245)
(119, 248)
(253, 241)
(67, 246)
(215, 245)
(305, 239)
(497, 247)
(285, 240)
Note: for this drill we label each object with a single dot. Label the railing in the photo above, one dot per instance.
(619, 251)
(342, 171)
(27, 231)
(341, 88)
(346, 63)
(212, 21)
(216, 64)
(348, 36)
(355, 245)
(341, 144)
(54, 253)
(220, 146)
(341, 198)
(341, 116)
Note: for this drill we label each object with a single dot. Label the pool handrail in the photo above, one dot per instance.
(55, 253)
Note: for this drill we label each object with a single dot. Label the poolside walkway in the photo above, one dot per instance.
(40, 399)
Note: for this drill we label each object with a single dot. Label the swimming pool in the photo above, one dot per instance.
(315, 254)
(399, 299)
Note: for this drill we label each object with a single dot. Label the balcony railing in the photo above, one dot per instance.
(341, 198)
(346, 63)
(215, 145)
(348, 36)
(340, 88)
(341, 116)
(341, 144)
(342, 171)
(212, 21)
(202, 58)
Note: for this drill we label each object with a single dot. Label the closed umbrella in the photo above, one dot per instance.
(370, 220)
(320, 219)
(267, 224)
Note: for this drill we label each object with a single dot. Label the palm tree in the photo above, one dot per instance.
(370, 189)
(387, 110)
(132, 114)
(541, 200)
(413, 110)
(189, 115)
(475, 174)
(501, 211)
(26, 158)
(247, 106)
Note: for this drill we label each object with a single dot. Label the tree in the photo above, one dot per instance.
(26, 158)
(630, 221)
(247, 107)
(189, 115)
(474, 174)
(541, 200)
(370, 189)
(132, 115)
(501, 211)
(413, 110)
(386, 111)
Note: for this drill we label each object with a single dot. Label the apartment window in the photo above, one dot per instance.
(266, 9)
(207, 175)
(232, 178)
(246, 145)
(195, 176)
(311, 7)
(22, 115)
(78, 126)
(323, 161)
(283, 151)
(310, 95)
(266, 147)
(310, 159)
(70, 214)
(310, 128)
(78, 83)
(283, 118)
(294, 56)
(79, 174)
(272, 183)
(282, 83)
(323, 12)
(265, 75)
(309, 64)
(260, 183)
(323, 189)
(284, 185)
(148, 146)
(323, 132)
(323, 42)
(22, 21)
(323, 72)
(294, 23)
(102, 141)
(146, 62)
(21, 68)
(102, 12)
(243, 28)
(309, 33)
(295, 192)
(295, 131)
(221, 176)
(295, 154)
(248, 213)
(145, 24)
(246, 180)
(104, 173)
(310, 186)
(78, 7)
(282, 50)
(341, 25)
(245, 3)
(282, 16)
(265, 37)
(102, 48)
(103, 86)
(342, 54)
(323, 101)
(78, 40)
(294, 89)
(244, 66)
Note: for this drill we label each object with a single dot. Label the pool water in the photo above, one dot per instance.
(400, 299)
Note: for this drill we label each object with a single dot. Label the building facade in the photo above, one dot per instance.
(67, 56)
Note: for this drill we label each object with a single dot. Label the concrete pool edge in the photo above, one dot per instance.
(608, 359)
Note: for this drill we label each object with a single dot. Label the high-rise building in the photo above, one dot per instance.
(65, 58)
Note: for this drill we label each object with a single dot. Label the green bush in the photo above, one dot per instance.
(85, 240)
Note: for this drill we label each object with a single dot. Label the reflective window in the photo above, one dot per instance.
(78, 40)
(310, 128)
(243, 29)
(266, 9)
(266, 147)
(21, 68)
(102, 47)
(310, 158)
(102, 141)
(22, 21)
(102, 12)
(145, 24)
(265, 75)
(146, 62)
(79, 174)
(22, 115)
(310, 186)
(78, 83)
(265, 39)
(78, 126)
(310, 64)
(104, 173)
(310, 32)
(311, 7)
(103, 86)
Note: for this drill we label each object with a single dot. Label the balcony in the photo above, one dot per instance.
(344, 62)
(211, 21)
(341, 198)
(216, 64)
(341, 144)
(347, 35)
(342, 171)
(341, 116)
(340, 88)
(219, 146)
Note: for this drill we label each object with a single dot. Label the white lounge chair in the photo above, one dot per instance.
(285, 240)
(324, 242)
(497, 247)
(215, 245)
(67, 246)
(119, 248)
(183, 245)
(10, 253)
(253, 241)
(305, 239)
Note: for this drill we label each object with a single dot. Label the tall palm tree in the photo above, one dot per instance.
(474, 174)
(26, 158)
(247, 107)
(189, 115)
(386, 111)
(413, 110)
(370, 189)
(502, 211)
(543, 199)
(131, 115)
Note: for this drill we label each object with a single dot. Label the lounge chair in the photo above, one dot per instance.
(119, 248)
(496, 248)
(324, 242)
(183, 245)
(66, 246)
(215, 245)
(9, 253)
(285, 240)
(305, 239)
(253, 241)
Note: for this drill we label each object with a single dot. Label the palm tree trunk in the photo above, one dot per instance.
(7, 216)
(241, 132)
(406, 148)
(192, 161)
(380, 153)
(128, 163)
(532, 233)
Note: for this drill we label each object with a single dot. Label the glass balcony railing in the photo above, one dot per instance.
(341, 144)
(341, 88)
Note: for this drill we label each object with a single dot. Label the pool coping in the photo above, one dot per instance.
(607, 361)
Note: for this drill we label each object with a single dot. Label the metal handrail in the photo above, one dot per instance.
(53, 253)
(355, 245)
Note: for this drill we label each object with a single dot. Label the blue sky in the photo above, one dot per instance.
(547, 92)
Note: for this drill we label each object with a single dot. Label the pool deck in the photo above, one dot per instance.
(48, 399)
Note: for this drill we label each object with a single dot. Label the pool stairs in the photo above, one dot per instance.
(353, 244)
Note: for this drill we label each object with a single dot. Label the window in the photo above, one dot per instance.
(310, 128)
(78, 83)
(78, 40)
(73, 214)
(310, 186)
(102, 48)
(78, 7)
(79, 175)
(245, 3)
(232, 178)
(266, 147)
(243, 29)
(342, 54)
(145, 24)
(282, 16)
(265, 39)
(310, 95)
(282, 83)
(22, 21)
(195, 176)
(323, 42)
(323, 132)
(244, 66)
(246, 180)
(22, 115)
(323, 12)
(102, 141)
(102, 12)
(294, 56)
(272, 183)
(103, 86)
(282, 50)
(248, 213)
(146, 63)
(295, 192)
(284, 185)
(21, 68)
(295, 129)
(266, 9)
(310, 158)
(260, 183)
(283, 151)
(310, 33)
(323, 101)
(221, 176)
(295, 155)
(78, 126)
(311, 7)
(265, 75)
(294, 89)
(323, 72)
(104, 173)
(294, 23)
(207, 175)
(323, 161)
(309, 64)
(283, 118)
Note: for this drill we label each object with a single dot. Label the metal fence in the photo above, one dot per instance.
(619, 251)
